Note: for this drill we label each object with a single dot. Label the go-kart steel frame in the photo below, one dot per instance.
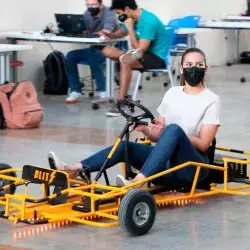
(102, 209)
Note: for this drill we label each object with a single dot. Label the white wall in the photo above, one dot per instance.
(30, 15)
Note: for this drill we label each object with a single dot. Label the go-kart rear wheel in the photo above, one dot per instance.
(137, 212)
(4, 182)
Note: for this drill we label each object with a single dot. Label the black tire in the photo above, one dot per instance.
(165, 84)
(3, 182)
(91, 94)
(133, 202)
(95, 106)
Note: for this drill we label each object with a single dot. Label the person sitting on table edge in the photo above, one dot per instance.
(99, 19)
(148, 37)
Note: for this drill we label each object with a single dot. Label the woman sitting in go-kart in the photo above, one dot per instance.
(187, 124)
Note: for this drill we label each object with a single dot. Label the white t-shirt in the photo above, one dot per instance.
(190, 111)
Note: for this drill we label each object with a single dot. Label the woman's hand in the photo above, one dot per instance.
(141, 128)
(157, 126)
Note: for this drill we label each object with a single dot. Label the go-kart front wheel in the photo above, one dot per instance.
(4, 182)
(137, 212)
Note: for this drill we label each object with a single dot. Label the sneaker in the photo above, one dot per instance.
(102, 94)
(101, 97)
(74, 97)
(130, 56)
(113, 112)
(121, 181)
(55, 163)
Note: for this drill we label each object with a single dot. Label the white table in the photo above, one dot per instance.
(5, 52)
(228, 25)
(13, 37)
(236, 18)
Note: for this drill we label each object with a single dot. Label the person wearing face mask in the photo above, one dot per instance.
(98, 19)
(188, 121)
(148, 38)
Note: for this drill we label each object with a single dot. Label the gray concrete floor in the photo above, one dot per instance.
(221, 222)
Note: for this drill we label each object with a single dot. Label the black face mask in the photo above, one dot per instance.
(94, 11)
(123, 17)
(193, 75)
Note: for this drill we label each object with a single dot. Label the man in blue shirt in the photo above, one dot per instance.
(98, 19)
(148, 37)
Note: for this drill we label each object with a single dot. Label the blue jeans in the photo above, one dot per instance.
(94, 58)
(173, 148)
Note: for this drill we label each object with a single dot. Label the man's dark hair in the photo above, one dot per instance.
(122, 4)
(99, 1)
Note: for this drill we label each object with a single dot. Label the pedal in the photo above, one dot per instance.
(84, 173)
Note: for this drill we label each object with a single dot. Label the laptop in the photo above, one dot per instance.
(72, 25)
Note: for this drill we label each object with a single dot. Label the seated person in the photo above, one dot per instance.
(147, 34)
(187, 125)
(98, 18)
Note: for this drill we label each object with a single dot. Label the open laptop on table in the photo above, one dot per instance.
(73, 25)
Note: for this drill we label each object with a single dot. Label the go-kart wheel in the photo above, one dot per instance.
(4, 182)
(137, 212)
(95, 106)
(165, 84)
(91, 94)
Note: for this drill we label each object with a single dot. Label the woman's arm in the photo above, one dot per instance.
(206, 137)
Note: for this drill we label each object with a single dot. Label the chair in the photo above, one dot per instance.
(92, 79)
(180, 43)
(121, 45)
(171, 33)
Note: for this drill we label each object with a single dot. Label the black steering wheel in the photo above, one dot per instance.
(127, 101)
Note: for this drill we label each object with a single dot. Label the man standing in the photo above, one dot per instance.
(99, 19)
(148, 37)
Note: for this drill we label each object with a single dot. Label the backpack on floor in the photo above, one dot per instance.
(56, 80)
(19, 106)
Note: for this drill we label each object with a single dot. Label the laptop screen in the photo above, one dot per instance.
(71, 24)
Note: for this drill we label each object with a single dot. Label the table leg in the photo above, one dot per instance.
(13, 57)
(2, 68)
(7, 67)
(112, 76)
(108, 76)
(191, 40)
(237, 38)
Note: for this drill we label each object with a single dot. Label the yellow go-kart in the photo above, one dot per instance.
(89, 202)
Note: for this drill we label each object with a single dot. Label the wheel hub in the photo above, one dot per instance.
(141, 213)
